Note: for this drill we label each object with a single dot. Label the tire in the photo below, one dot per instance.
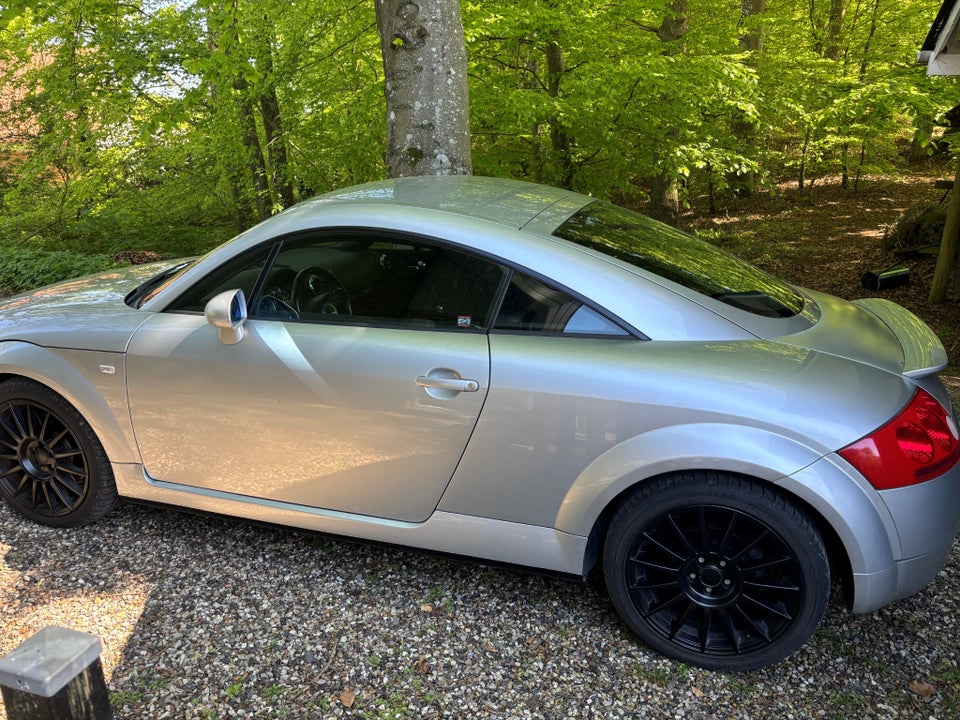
(716, 570)
(53, 469)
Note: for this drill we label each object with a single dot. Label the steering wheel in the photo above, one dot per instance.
(317, 290)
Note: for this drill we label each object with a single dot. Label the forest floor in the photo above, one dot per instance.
(827, 237)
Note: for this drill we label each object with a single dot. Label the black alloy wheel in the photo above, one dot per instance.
(717, 570)
(52, 467)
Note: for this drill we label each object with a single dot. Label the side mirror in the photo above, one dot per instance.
(228, 311)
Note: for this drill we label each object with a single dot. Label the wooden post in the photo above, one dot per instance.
(948, 245)
(55, 675)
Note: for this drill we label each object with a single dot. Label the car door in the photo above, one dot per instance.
(356, 386)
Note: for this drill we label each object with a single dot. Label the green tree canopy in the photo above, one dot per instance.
(169, 125)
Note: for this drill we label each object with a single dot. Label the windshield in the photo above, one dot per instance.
(147, 289)
(681, 258)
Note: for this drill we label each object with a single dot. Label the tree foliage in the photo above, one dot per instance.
(169, 125)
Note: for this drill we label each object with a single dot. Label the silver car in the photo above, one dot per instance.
(510, 372)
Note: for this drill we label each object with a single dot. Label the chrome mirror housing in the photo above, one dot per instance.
(227, 311)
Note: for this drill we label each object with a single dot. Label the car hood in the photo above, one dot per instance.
(875, 332)
(87, 313)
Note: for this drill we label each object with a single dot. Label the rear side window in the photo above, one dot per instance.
(681, 258)
(531, 305)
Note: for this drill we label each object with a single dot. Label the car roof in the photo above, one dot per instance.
(518, 204)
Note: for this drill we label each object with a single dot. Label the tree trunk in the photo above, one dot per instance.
(425, 66)
(256, 163)
(948, 245)
(559, 139)
(751, 41)
(664, 196)
(275, 140)
(833, 46)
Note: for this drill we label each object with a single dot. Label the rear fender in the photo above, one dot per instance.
(703, 446)
(93, 382)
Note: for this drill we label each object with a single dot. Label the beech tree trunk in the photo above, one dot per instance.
(425, 67)
(751, 42)
(664, 195)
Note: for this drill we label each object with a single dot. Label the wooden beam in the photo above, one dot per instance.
(55, 675)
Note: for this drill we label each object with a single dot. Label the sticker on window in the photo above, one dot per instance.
(464, 321)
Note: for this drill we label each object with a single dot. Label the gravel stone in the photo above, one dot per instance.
(203, 617)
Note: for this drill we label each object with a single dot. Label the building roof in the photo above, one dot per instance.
(940, 51)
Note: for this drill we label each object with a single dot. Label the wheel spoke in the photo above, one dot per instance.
(655, 586)
(655, 566)
(59, 490)
(24, 479)
(68, 453)
(767, 606)
(784, 587)
(27, 411)
(660, 607)
(79, 472)
(760, 630)
(13, 433)
(765, 564)
(672, 553)
(681, 620)
(69, 484)
(55, 441)
(734, 635)
(751, 545)
(728, 536)
(705, 625)
(704, 530)
(10, 471)
(682, 535)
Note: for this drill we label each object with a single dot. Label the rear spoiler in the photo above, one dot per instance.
(923, 353)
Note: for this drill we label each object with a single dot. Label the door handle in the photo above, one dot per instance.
(446, 383)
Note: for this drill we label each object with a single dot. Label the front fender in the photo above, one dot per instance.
(93, 382)
(703, 446)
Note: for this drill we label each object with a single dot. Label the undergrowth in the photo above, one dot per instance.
(23, 269)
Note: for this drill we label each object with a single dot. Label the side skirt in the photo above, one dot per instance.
(498, 541)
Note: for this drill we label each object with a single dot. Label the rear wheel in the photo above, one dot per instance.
(53, 468)
(716, 570)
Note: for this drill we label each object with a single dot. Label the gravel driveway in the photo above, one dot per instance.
(208, 618)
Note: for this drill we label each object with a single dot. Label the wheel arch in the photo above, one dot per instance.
(98, 406)
(862, 541)
(840, 566)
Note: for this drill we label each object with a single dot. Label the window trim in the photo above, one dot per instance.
(400, 236)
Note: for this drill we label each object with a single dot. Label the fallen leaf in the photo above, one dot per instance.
(489, 646)
(422, 667)
(347, 698)
(922, 688)
(697, 692)
(427, 608)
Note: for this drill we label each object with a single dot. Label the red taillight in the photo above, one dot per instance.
(919, 444)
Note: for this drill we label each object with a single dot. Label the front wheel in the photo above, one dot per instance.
(716, 570)
(53, 468)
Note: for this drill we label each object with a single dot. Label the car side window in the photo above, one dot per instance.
(531, 305)
(367, 279)
(240, 273)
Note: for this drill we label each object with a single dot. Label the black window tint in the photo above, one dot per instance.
(241, 273)
(370, 280)
(533, 306)
(681, 258)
